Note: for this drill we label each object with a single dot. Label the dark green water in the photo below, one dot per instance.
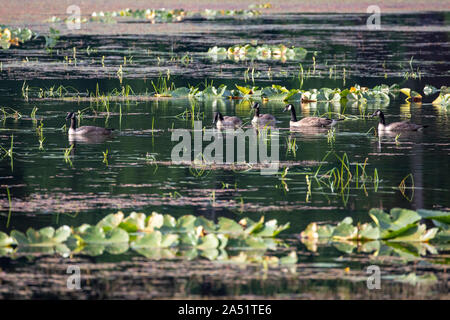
(47, 190)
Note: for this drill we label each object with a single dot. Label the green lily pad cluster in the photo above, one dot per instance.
(153, 15)
(14, 36)
(157, 236)
(280, 93)
(266, 5)
(356, 94)
(211, 14)
(398, 233)
(263, 52)
(398, 225)
(156, 15)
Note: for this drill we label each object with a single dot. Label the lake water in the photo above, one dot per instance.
(46, 189)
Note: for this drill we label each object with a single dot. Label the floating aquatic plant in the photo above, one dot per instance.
(399, 233)
(240, 14)
(14, 36)
(150, 234)
(156, 15)
(411, 95)
(163, 89)
(399, 225)
(263, 52)
(266, 5)
(443, 99)
(153, 15)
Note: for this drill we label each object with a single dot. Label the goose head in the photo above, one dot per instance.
(217, 116)
(288, 108)
(377, 113)
(255, 105)
(70, 115)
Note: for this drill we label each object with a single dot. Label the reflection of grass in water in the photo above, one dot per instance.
(9, 152)
(402, 187)
(12, 113)
(67, 152)
(291, 146)
(40, 133)
(308, 194)
(331, 137)
(199, 168)
(33, 113)
(105, 157)
(397, 142)
(10, 207)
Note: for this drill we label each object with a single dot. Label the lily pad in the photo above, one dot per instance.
(393, 225)
(43, 237)
(5, 240)
(111, 221)
(441, 216)
(97, 235)
(156, 240)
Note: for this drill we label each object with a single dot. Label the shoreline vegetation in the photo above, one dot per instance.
(379, 94)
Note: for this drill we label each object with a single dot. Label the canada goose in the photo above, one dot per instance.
(310, 122)
(262, 119)
(85, 130)
(88, 139)
(226, 121)
(396, 126)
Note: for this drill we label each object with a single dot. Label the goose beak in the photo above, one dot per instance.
(285, 109)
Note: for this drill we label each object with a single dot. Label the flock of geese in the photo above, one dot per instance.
(262, 120)
(259, 120)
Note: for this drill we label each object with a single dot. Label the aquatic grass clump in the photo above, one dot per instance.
(339, 178)
(9, 152)
(52, 92)
(262, 52)
(162, 88)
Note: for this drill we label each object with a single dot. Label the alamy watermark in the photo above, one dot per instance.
(374, 280)
(374, 20)
(228, 147)
(74, 280)
(73, 22)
